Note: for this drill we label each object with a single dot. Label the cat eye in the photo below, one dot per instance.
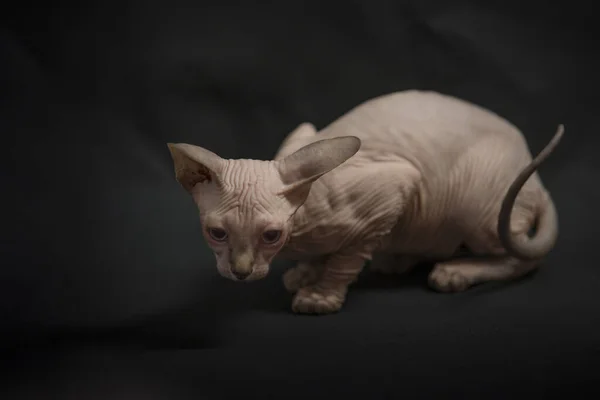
(217, 234)
(271, 236)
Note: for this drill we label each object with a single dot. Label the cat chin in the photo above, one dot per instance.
(258, 274)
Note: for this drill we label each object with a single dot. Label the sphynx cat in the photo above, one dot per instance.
(401, 179)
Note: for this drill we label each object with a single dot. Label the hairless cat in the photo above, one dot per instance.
(400, 179)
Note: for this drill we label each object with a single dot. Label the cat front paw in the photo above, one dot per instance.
(316, 300)
(300, 276)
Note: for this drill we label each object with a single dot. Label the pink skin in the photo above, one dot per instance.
(403, 177)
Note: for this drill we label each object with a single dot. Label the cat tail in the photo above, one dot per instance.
(522, 246)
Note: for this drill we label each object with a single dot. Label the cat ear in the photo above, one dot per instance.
(301, 168)
(193, 164)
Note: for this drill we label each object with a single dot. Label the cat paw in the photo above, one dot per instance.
(300, 276)
(447, 280)
(316, 300)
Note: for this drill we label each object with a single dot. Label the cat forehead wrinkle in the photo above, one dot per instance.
(248, 225)
(228, 200)
(251, 188)
(244, 172)
(247, 204)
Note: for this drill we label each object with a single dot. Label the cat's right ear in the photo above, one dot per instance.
(194, 164)
(301, 168)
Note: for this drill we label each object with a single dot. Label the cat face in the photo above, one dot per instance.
(247, 206)
(245, 220)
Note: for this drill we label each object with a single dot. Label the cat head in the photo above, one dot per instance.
(246, 207)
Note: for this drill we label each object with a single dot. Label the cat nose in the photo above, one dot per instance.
(242, 264)
(241, 275)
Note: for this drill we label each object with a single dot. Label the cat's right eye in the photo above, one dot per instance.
(217, 234)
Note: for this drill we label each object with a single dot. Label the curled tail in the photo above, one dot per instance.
(522, 246)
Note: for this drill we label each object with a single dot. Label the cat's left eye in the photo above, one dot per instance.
(271, 236)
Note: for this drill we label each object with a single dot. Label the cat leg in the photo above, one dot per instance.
(460, 274)
(492, 264)
(377, 212)
(388, 264)
(328, 294)
(302, 275)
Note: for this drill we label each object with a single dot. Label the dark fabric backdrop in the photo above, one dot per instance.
(107, 289)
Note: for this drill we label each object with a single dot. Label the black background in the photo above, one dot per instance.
(107, 289)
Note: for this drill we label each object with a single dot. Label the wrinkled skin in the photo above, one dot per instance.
(400, 179)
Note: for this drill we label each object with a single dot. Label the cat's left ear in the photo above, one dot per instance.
(301, 168)
(194, 164)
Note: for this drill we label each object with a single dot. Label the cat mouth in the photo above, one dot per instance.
(256, 274)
